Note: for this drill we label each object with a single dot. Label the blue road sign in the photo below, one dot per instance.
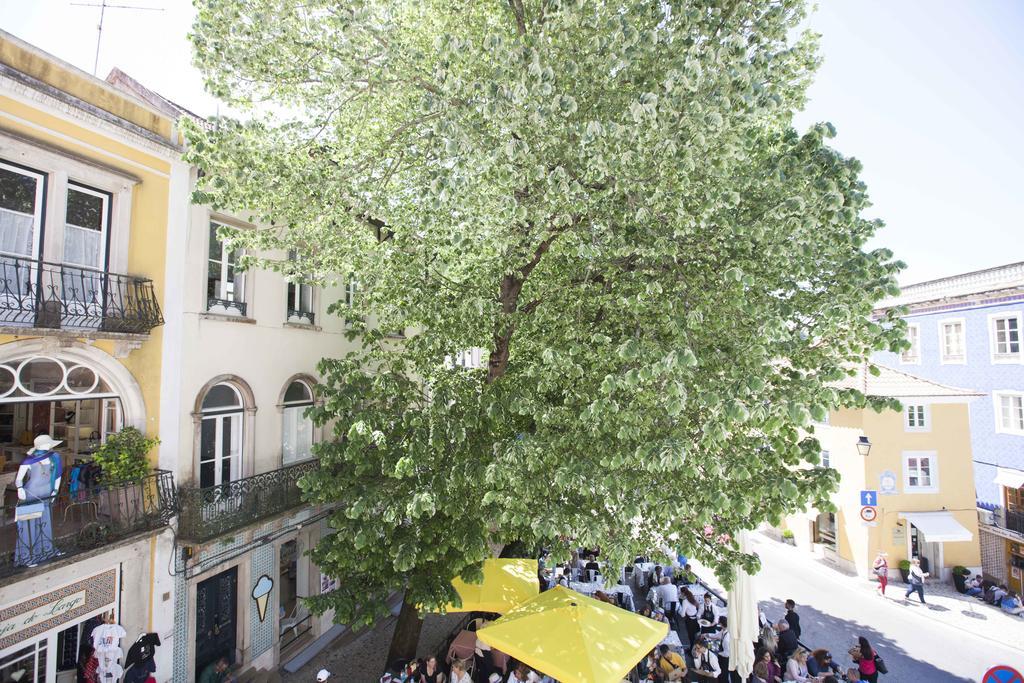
(868, 498)
(1002, 674)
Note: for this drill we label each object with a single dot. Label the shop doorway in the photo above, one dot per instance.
(295, 618)
(929, 553)
(216, 619)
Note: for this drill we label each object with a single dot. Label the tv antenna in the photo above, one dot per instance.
(104, 6)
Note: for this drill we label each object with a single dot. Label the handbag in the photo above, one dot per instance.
(880, 665)
(27, 511)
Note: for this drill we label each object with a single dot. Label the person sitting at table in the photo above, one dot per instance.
(518, 674)
(820, 663)
(459, 673)
(688, 603)
(688, 577)
(796, 667)
(671, 664)
(974, 587)
(760, 674)
(787, 641)
(591, 568)
(668, 598)
(774, 671)
(576, 565)
(659, 615)
(705, 664)
(648, 669)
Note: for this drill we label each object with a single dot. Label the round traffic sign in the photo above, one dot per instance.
(1002, 674)
(868, 514)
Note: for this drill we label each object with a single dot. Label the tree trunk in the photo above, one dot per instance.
(407, 634)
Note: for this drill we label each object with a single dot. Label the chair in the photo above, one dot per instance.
(292, 621)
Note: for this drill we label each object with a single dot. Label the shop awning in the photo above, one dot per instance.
(938, 527)
(1011, 479)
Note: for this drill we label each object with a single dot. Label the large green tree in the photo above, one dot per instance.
(607, 197)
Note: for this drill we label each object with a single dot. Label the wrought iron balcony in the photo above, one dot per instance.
(88, 517)
(304, 317)
(35, 293)
(216, 510)
(213, 303)
(1014, 521)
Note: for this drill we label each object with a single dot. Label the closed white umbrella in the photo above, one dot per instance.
(743, 624)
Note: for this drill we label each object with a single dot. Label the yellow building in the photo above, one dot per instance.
(89, 182)
(918, 473)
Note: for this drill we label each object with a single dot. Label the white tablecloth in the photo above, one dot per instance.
(672, 640)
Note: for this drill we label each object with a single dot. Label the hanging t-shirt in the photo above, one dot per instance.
(107, 636)
(112, 674)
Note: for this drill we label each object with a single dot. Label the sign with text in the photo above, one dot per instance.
(44, 612)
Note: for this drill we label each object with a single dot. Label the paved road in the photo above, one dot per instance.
(835, 610)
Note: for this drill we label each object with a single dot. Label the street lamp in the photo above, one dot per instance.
(863, 446)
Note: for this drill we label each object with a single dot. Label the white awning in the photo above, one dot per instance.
(1011, 479)
(938, 527)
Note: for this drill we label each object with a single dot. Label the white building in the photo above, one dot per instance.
(240, 352)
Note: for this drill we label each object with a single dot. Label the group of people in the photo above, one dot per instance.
(995, 594)
(430, 670)
(779, 658)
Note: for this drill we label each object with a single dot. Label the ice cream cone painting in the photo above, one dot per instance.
(261, 594)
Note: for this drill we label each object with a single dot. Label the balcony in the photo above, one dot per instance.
(91, 517)
(40, 294)
(216, 510)
(1014, 521)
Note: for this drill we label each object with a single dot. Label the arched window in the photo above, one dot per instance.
(220, 438)
(297, 430)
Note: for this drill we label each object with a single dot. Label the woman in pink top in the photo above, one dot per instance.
(865, 658)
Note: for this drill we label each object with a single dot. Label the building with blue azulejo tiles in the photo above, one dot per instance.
(968, 330)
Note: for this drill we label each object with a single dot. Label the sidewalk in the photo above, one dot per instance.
(944, 604)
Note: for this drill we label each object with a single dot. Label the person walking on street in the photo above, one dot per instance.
(917, 576)
(792, 618)
(881, 570)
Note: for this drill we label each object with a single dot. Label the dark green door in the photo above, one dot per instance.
(216, 614)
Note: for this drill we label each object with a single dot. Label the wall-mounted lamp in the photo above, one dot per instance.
(863, 446)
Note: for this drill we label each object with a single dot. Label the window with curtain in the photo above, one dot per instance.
(21, 210)
(1006, 337)
(953, 341)
(297, 432)
(85, 227)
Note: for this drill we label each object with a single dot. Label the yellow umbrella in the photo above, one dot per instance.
(573, 638)
(506, 584)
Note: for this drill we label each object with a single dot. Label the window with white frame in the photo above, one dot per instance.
(1005, 334)
(916, 418)
(86, 221)
(220, 436)
(1009, 407)
(300, 300)
(21, 210)
(297, 432)
(225, 283)
(920, 472)
(351, 290)
(826, 459)
(951, 341)
(912, 355)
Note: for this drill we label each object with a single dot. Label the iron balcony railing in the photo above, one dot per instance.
(1014, 521)
(82, 517)
(213, 303)
(210, 512)
(301, 316)
(35, 293)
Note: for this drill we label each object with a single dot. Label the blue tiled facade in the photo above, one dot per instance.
(978, 372)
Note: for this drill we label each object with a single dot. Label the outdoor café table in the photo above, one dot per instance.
(672, 640)
(463, 646)
(624, 591)
(586, 588)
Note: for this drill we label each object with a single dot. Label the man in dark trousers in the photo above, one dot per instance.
(792, 618)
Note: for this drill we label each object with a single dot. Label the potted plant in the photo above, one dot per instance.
(124, 465)
(960, 574)
(787, 537)
(904, 567)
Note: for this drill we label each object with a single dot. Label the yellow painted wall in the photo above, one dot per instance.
(950, 438)
(150, 197)
(62, 76)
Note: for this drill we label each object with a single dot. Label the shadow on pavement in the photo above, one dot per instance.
(902, 667)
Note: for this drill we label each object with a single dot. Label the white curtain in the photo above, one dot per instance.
(297, 438)
(17, 232)
(83, 247)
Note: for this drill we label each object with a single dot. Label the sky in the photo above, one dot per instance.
(928, 94)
